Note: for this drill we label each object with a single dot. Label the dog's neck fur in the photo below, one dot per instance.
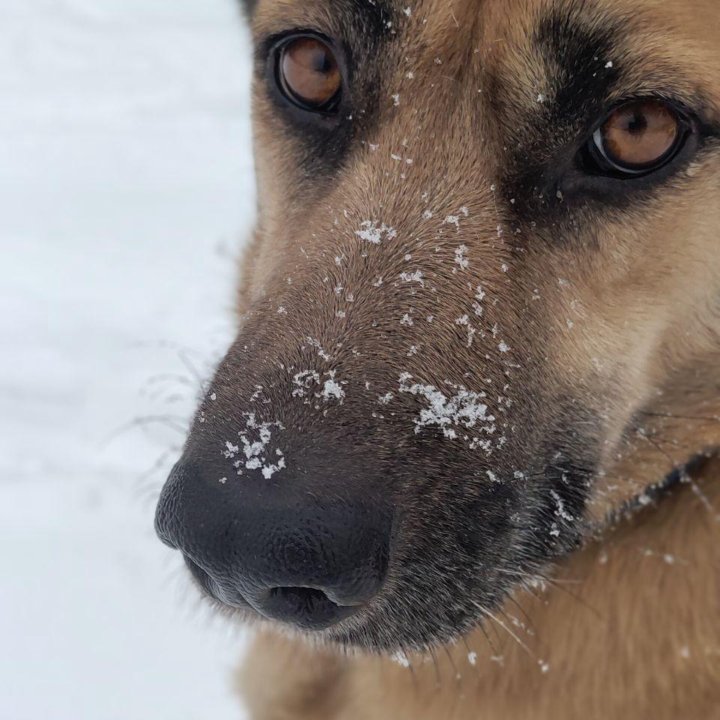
(625, 627)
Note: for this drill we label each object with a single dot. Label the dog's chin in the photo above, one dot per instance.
(440, 585)
(372, 629)
(388, 627)
(405, 619)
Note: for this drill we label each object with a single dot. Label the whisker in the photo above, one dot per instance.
(173, 422)
(458, 676)
(493, 649)
(438, 676)
(522, 610)
(511, 634)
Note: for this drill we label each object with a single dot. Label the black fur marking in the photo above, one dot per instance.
(372, 20)
(576, 53)
(658, 491)
(580, 53)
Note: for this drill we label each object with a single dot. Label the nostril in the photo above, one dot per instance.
(302, 596)
(307, 607)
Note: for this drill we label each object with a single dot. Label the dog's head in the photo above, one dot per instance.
(488, 242)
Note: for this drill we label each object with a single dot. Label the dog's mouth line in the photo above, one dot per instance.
(655, 492)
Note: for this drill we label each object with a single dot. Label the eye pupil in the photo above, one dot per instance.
(639, 137)
(324, 63)
(308, 73)
(638, 124)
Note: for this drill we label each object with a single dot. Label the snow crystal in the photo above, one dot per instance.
(401, 659)
(455, 219)
(465, 409)
(461, 258)
(464, 320)
(305, 381)
(231, 450)
(316, 344)
(415, 276)
(472, 658)
(332, 389)
(560, 510)
(374, 233)
(255, 439)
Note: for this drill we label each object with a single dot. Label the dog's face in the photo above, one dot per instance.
(488, 238)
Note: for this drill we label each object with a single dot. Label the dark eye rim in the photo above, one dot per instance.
(595, 160)
(328, 110)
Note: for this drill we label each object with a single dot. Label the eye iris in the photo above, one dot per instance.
(309, 72)
(639, 135)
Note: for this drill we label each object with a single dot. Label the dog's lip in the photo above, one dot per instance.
(238, 601)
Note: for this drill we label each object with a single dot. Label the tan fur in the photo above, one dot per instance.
(629, 626)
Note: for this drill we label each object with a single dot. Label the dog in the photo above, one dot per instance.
(462, 459)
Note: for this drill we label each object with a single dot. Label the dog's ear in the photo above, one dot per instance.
(248, 7)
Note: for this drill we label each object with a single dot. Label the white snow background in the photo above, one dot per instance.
(125, 193)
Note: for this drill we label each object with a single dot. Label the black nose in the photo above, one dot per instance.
(307, 557)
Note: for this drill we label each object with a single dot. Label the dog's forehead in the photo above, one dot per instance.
(450, 20)
(470, 36)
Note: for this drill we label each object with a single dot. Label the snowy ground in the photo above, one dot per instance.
(125, 193)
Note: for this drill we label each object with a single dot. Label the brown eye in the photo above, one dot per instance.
(640, 136)
(308, 73)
